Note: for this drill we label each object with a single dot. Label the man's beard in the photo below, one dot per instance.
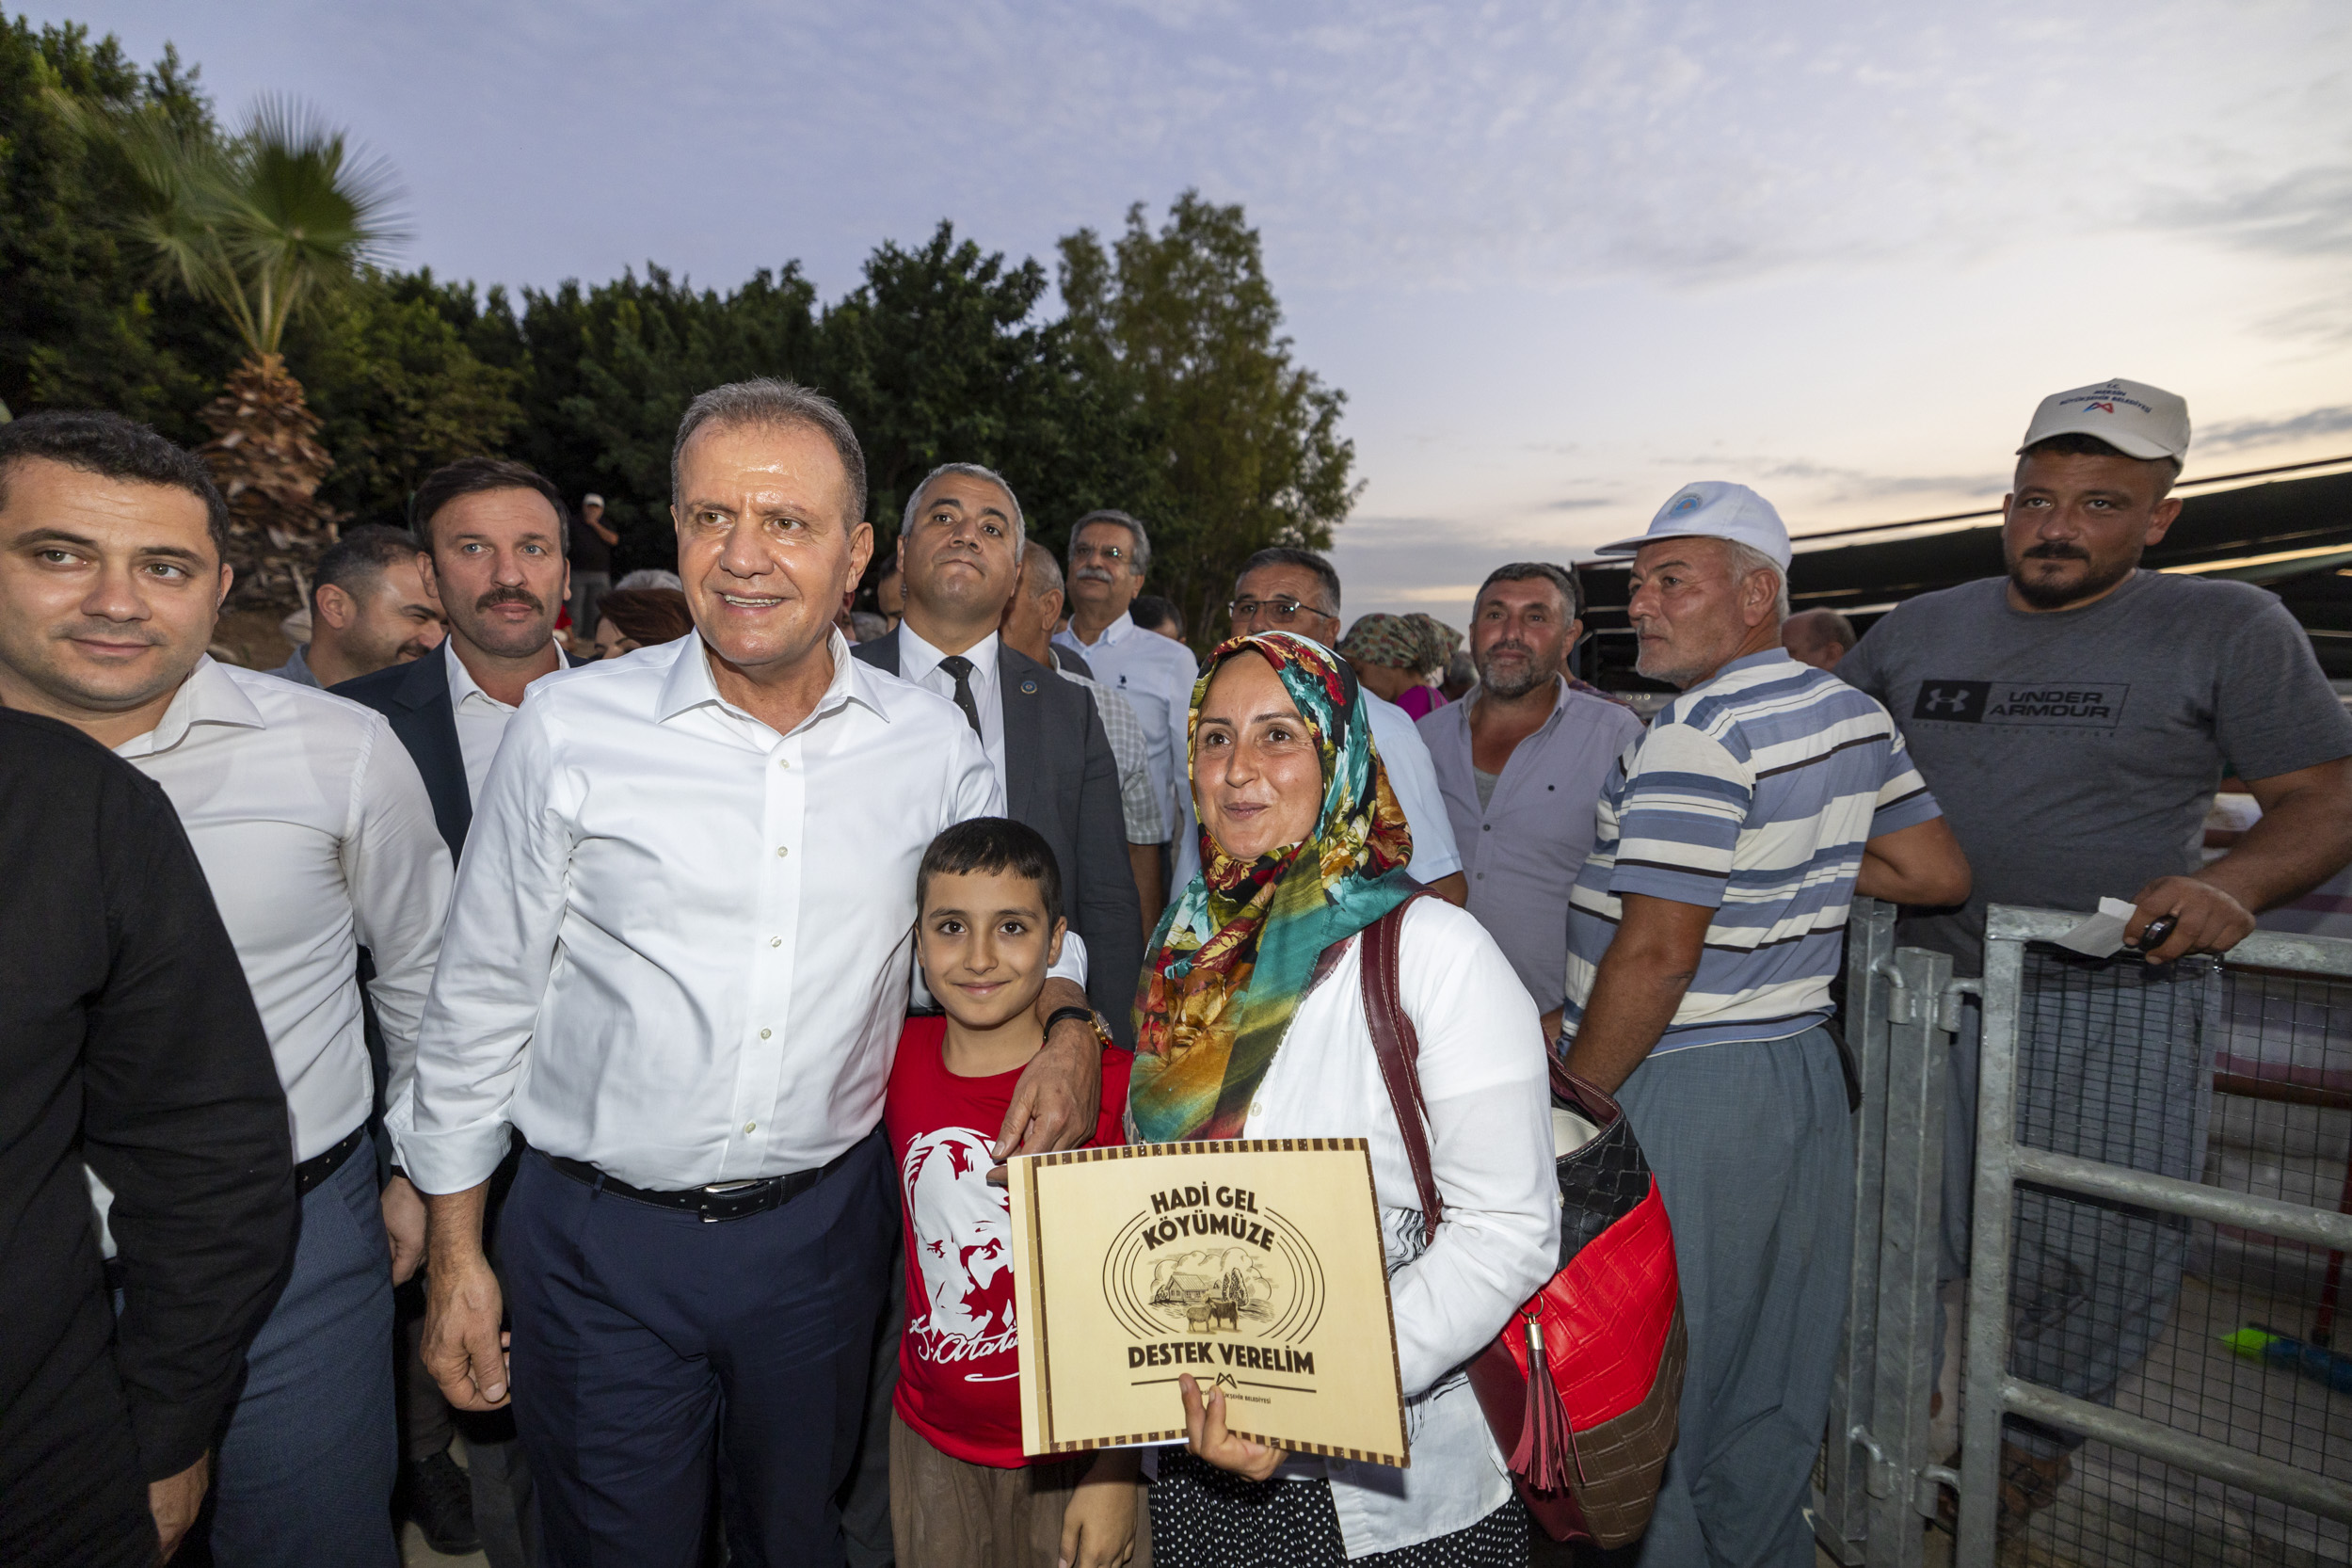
(1512, 680)
(2057, 593)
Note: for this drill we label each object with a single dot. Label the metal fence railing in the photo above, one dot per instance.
(2163, 1173)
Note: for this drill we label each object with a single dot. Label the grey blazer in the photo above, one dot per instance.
(1061, 778)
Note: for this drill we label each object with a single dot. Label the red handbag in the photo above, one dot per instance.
(1581, 1389)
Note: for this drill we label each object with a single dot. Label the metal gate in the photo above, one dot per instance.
(2075, 1192)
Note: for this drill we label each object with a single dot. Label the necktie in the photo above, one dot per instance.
(960, 668)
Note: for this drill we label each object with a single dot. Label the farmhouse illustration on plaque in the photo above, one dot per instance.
(1254, 1266)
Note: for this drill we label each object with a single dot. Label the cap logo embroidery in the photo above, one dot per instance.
(1686, 503)
(2102, 408)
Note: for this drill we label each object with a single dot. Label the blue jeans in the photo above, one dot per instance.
(1755, 1154)
(304, 1476)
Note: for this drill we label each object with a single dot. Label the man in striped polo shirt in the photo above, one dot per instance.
(1702, 934)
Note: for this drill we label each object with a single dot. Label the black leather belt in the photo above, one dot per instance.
(320, 1166)
(721, 1200)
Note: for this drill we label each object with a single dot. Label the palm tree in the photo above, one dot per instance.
(261, 227)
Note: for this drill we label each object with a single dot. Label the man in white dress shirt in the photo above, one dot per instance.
(1110, 554)
(316, 836)
(1285, 590)
(677, 963)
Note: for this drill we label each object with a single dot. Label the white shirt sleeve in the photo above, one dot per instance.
(499, 950)
(396, 867)
(1487, 1086)
(1413, 777)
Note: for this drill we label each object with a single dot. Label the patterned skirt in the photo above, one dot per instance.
(1204, 1517)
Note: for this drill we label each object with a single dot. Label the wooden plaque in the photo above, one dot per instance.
(1254, 1265)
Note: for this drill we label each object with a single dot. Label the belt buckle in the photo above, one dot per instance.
(721, 1190)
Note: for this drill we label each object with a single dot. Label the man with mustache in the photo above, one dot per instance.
(2074, 717)
(1521, 765)
(368, 608)
(493, 533)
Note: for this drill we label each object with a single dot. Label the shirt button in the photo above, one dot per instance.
(765, 1033)
(783, 762)
(782, 850)
(751, 1126)
(776, 942)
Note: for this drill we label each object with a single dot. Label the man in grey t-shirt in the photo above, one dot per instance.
(2073, 719)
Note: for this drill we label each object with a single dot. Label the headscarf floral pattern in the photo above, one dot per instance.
(1237, 949)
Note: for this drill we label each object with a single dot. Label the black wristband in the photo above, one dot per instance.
(1084, 1014)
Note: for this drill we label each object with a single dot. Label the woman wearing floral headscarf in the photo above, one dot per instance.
(1302, 847)
(1400, 658)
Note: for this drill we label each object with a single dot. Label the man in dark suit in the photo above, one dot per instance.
(960, 550)
(493, 533)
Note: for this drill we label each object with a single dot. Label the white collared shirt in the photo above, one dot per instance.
(681, 942)
(481, 720)
(317, 838)
(1156, 675)
(918, 662)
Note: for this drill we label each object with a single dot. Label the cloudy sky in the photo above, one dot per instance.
(1562, 258)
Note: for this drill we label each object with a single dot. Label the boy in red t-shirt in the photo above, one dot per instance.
(962, 1493)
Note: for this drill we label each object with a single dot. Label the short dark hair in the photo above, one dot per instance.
(778, 405)
(1151, 612)
(647, 616)
(1527, 572)
(2073, 443)
(479, 476)
(1141, 558)
(113, 447)
(362, 554)
(1290, 555)
(994, 844)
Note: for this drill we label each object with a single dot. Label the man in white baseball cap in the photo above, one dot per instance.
(2074, 717)
(2137, 420)
(1702, 934)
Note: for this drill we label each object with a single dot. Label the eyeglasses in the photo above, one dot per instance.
(1282, 612)
(1097, 552)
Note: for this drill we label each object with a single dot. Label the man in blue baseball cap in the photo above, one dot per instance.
(1702, 934)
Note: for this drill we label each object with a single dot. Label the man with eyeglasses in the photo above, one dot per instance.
(1285, 590)
(1110, 554)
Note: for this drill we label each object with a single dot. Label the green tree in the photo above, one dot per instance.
(939, 356)
(398, 392)
(80, 325)
(1183, 323)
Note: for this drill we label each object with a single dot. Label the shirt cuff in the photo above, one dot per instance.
(440, 1163)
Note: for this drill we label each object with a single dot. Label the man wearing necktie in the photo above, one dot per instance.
(960, 552)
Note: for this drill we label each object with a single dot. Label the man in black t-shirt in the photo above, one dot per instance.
(2074, 719)
(591, 557)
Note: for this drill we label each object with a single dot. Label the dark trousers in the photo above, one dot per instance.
(69, 1486)
(648, 1344)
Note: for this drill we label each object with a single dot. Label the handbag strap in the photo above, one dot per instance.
(1397, 1046)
